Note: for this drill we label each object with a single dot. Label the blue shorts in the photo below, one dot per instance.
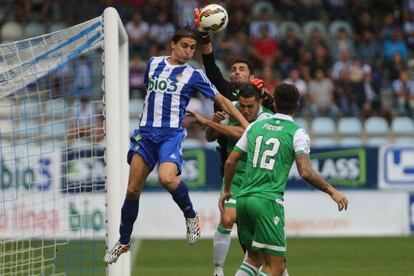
(158, 146)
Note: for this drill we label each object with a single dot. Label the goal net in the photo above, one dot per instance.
(56, 103)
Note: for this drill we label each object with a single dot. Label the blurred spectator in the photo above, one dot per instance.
(270, 82)
(346, 97)
(395, 67)
(404, 94)
(264, 21)
(306, 72)
(265, 48)
(342, 41)
(344, 63)
(395, 45)
(138, 33)
(364, 23)
(184, 11)
(290, 46)
(236, 46)
(59, 81)
(83, 79)
(83, 114)
(355, 71)
(238, 22)
(294, 78)
(320, 59)
(161, 31)
(136, 77)
(388, 27)
(311, 9)
(369, 100)
(315, 40)
(409, 30)
(368, 48)
(336, 9)
(408, 6)
(321, 95)
(288, 8)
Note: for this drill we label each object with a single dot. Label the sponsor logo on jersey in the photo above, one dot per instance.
(162, 85)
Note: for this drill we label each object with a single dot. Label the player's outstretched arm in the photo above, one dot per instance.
(206, 46)
(229, 108)
(307, 172)
(229, 169)
(211, 134)
(234, 132)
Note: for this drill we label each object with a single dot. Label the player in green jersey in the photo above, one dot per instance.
(249, 103)
(270, 147)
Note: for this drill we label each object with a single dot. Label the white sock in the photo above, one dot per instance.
(285, 272)
(221, 244)
(247, 269)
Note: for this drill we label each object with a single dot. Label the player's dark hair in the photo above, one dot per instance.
(248, 90)
(184, 32)
(286, 98)
(245, 61)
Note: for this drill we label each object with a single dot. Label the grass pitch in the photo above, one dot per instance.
(382, 256)
(306, 256)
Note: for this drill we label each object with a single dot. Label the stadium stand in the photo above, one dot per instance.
(351, 142)
(336, 25)
(349, 126)
(11, 31)
(368, 30)
(376, 126)
(323, 126)
(402, 126)
(324, 142)
(310, 26)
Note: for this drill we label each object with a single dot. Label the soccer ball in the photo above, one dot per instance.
(213, 18)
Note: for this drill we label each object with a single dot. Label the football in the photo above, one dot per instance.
(213, 18)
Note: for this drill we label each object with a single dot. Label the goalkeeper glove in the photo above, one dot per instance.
(267, 98)
(205, 35)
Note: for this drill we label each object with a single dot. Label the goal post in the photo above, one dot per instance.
(117, 124)
(64, 119)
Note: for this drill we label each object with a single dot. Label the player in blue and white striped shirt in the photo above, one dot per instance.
(170, 83)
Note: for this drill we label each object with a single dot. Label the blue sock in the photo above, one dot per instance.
(181, 197)
(129, 214)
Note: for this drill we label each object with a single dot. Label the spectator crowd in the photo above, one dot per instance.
(347, 57)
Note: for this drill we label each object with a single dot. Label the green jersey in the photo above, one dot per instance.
(271, 146)
(263, 113)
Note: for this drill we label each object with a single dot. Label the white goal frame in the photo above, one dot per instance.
(116, 79)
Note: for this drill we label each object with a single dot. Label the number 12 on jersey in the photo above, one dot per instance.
(267, 161)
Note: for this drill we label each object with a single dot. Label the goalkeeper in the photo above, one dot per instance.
(241, 72)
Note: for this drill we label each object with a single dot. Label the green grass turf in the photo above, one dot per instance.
(306, 256)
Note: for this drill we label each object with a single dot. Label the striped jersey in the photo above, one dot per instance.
(169, 89)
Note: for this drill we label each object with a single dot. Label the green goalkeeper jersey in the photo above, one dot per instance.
(271, 146)
(263, 113)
